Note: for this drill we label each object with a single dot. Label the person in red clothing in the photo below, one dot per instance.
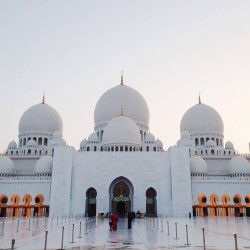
(115, 221)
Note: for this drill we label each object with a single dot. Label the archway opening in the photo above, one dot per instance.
(247, 200)
(90, 209)
(151, 202)
(238, 210)
(3, 205)
(226, 210)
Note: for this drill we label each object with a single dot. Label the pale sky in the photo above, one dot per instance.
(169, 51)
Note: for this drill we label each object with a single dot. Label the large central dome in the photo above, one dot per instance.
(110, 103)
(202, 118)
(40, 118)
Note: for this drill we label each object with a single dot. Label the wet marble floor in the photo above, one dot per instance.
(167, 233)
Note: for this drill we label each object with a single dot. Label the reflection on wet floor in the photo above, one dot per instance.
(145, 234)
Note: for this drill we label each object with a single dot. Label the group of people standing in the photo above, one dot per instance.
(113, 220)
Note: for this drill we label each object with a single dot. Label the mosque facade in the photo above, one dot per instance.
(121, 166)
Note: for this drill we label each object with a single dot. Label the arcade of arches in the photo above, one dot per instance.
(222, 206)
(121, 199)
(24, 208)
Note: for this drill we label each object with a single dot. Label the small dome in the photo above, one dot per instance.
(6, 165)
(44, 164)
(57, 134)
(185, 134)
(109, 104)
(83, 143)
(238, 165)
(197, 164)
(31, 143)
(202, 118)
(12, 145)
(229, 145)
(211, 144)
(40, 118)
(159, 143)
(93, 138)
(149, 137)
(122, 131)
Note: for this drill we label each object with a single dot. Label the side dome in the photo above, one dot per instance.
(198, 165)
(159, 143)
(211, 144)
(44, 164)
(122, 131)
(12, 145)
(83, 143)
(238, 165)
(6, 165)
(40, 118)
(149, 138)
(229, 145)
(93, 138)
(202, 118)
(109, 104)
(31, 143)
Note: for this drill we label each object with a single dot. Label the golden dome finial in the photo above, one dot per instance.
(43, 100)
(199, 98)
(122, 72)
(122, 112)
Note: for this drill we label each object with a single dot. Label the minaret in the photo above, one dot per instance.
(43, 100)
(122, 112)
(122, 77)
(199, 98)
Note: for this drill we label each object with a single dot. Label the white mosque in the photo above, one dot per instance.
(122, 166)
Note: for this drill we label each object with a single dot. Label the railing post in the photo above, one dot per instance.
(80, 230)
(62, 238)
(235, 240)
(176, 236)
(45, 244)
(187, 244)
(161, 226)
(73, 229)
(168, 227)
(204, 242)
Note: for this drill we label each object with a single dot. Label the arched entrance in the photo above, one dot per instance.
(3, 205)
(91, 202)
(121, 195)
(151, 209)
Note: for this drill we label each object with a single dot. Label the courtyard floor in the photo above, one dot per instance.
(161, 233)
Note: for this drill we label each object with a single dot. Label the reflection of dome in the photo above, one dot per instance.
(238, 165)
(149, 138)
(202, 118)
(6, 165)
(31, 143)
(185, 134)
(211, 144)
(198, 165)
(122, 131)
(12, 145)
(93, 137)
(119, 96)
(229, 145)
(40, 118)
(44, 164)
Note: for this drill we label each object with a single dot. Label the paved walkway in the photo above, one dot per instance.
(145, 234)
